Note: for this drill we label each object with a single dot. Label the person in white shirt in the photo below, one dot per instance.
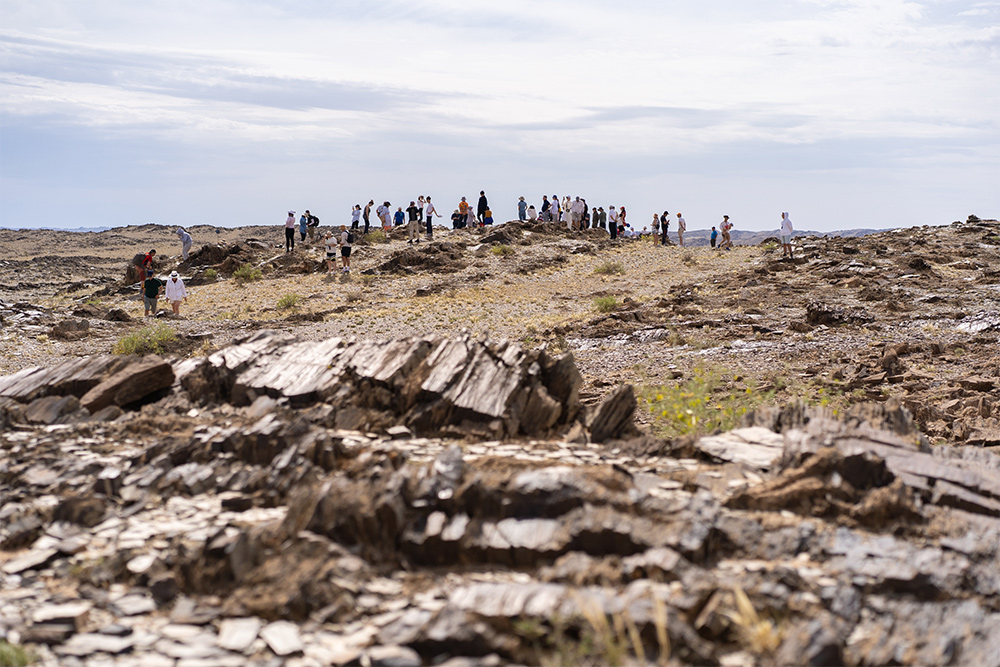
(331, 251)
(681, 228)
(345, 248)
(185, 240)
(430, 211)
(175, 292)
(786, 235)
(613, 222)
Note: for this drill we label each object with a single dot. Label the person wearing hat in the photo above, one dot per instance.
(176, 292)
(185, 240)
(522, 209)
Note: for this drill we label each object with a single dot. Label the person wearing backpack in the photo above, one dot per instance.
(311, 225)
(346, 241)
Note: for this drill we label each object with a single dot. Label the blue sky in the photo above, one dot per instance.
(847, 113)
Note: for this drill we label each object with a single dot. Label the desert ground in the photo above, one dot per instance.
(511, 445)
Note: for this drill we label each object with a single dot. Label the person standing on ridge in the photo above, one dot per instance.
(413, 226)
(430, 211)
(546, 208)
(303, 223)
(613, 222)
(712, 237)
(786, 236)
(356, 217)
(727, 242)
(311, 225)
(368, 211)
(522, 209)
(290, 232)
(681, 228)
(346, 239)
(481, 207)
(186, 241)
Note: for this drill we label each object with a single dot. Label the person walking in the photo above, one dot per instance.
(186, 241)
(290, 232)
(147, 267)
(681, 228)
(481, 206)
(786, 235)
(346, 240)
(413, 218)
(522, 209)
(150, 293)
(430, 211)
(175, 292)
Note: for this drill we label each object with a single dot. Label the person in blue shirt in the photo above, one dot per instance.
(397, 219)
(522, 209)
(714, 236)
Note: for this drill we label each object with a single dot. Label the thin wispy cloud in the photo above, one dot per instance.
(719, 103)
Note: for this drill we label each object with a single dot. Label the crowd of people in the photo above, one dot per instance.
(418, 218)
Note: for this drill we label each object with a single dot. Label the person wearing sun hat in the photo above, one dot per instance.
(175, 292)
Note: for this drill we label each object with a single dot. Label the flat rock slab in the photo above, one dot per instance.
(131, 384)
(237, 634)
(283, 638)
(753, 446)
(91, 643)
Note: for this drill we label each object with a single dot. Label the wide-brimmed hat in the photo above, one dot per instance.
(174, 274)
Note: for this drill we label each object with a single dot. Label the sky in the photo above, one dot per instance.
(846, 113)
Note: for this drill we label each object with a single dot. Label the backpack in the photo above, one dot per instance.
(313, 221)
(350, 237)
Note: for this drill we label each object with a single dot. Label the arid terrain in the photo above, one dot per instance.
(519, 445)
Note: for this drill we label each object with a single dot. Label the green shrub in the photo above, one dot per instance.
(12, 655)
(148, 340)
(211, 274)
(608, 268)
(700, 404)
(246, 273)
(289, 301)
(376, 236)
(605, 304)
(501, 250)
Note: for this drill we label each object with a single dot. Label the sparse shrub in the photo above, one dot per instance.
(352, 297)
(770, 245)
(13, 655)
(501, 250)
(759, 635)
(367, 279)
(246, 274)
(609, 268)
(376, 236)
(148, 340)
(289, 301)
(605, 304)
(211, 274)
(689, 259)
(700, 404)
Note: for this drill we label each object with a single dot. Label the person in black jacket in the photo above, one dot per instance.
(482, 206)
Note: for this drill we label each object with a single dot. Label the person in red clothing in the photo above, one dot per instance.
(147, 267)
